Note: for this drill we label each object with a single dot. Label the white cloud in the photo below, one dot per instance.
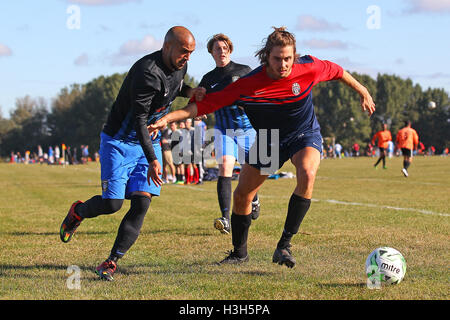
(428, 6)
(146, 45)
(325, 44)
(82, 60)
(5, 51)
(134, 48)
(310, 23)
(100, 2)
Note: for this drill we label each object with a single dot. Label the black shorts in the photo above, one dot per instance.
(407, 152)
(382, 149)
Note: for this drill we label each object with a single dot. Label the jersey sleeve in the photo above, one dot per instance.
(144, 88)
(374, 138)
(215, 100)
(326, 70)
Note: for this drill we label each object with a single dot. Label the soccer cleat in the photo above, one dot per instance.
(405, 172)
(70, 223)
(222, 225)
(232, 258)
(106, 270)
(256, 206)
(284, 256)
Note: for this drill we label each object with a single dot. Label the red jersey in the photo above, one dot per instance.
(383, 138)
(284, 104)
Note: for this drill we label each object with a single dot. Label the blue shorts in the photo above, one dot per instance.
(233, 142)
(124, 168)
(268, 159)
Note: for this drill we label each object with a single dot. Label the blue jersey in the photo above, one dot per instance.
(145, 96)
(231, 116)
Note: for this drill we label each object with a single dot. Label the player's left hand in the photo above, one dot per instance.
(367, 103)
(154, 173)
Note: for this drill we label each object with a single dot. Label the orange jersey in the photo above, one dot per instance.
(407, 138)
(383, 138)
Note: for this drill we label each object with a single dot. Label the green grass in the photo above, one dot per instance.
(175, 255)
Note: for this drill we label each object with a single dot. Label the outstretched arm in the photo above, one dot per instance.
(190, 111)
(367, 103)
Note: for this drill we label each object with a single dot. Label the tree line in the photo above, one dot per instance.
(77, 114)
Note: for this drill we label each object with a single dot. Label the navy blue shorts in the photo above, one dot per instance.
(265, 156)
(124, 168)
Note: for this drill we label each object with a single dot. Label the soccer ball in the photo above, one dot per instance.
(431, 105)
(385, 266)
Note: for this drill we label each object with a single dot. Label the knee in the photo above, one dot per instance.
(140, 202)
(308, 174)
(112, 205)
(241, 198)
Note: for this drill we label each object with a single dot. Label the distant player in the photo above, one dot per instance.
(407, 140)
(227, 147)
(383, 137)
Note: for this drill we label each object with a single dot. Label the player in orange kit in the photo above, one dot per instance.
(407, 140)
(383, 137)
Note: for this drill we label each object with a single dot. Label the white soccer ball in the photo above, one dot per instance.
(431, 105)
(385, 266)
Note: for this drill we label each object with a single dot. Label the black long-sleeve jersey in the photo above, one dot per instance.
(145, 96)
(230, 117)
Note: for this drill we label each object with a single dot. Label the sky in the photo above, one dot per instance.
(50, 44)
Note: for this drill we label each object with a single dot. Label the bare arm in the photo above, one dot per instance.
(367, 103)
(190, 111)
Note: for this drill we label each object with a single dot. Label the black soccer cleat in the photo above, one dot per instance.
(256, 206)
(232, 258)
(222, 224)
(284, 256)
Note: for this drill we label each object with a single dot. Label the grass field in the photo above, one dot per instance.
(355, 210)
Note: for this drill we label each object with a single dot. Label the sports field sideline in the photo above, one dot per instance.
(355, 209)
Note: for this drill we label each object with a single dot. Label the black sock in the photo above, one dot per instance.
(384, 161)
(378, 161)
(96, 206)
(406, 164)
(239, 233)
(224, 195)
(130, 226)
(297, 209)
